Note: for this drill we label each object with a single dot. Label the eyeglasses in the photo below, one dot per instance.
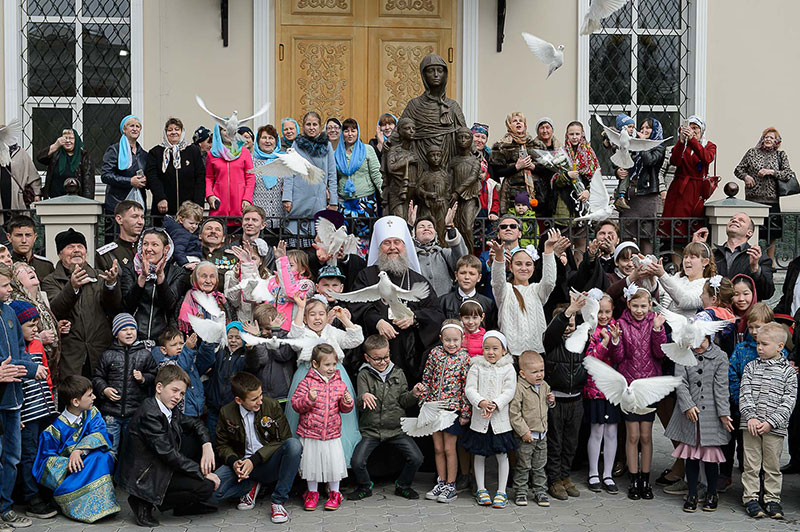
(378, 360)
(508, 226)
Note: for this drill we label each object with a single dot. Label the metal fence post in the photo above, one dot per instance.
(59, 214)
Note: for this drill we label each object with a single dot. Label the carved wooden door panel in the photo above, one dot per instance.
(323, 71)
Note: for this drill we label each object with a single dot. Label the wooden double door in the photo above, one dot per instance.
(358, 58)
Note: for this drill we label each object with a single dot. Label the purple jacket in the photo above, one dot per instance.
(641, 351)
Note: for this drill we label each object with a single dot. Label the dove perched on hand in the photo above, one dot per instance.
(547, 53)
(9, 135)
(626, 144)
(231, 123)
(687, 333)
(576, 341)
(633, 398)
(599, 201)
(389, 293)
(289, 164)
(433, 417)
(598, 10)
(332, 240)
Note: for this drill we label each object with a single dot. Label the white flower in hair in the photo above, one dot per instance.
(595, 293)
(715, 282)
(630, 291)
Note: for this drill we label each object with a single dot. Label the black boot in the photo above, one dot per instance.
(634, 492)
(142, 512)
(645, 490)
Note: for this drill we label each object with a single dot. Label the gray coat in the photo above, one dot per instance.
(706, 387)
(438, 264)
(306, 198)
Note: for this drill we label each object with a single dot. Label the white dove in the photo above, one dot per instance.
(686, 334)
(547, 53)
(576, 341)
(298, 344)
(289, 164)
(599, 10)
(626, 144)
(208, 303)
(645, 262)
(599, 201)
(332, 240)
(389, 293)
(552, 159)
(255, 290)
(433, 417)
(211, 331)
(632, 398)
(231, 123)
(9, 135)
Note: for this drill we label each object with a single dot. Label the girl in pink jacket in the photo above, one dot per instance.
(229, 183)
(319, 398)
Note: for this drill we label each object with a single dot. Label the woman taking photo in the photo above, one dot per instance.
(66, 158)
(359, 177)
(386, 124)
(267, 189)
(229, 182)
(175, 171)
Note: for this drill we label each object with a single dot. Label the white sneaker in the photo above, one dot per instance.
(14, 520)
(248, 500)
(279, 514)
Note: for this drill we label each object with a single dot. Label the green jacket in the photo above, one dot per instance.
(393, 397)
(367, 179)
(272, 430)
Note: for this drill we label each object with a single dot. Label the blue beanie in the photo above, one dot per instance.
(623, 120)
(122, 320)
(236, 325)
(25, 311)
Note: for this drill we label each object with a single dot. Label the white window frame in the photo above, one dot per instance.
(695, 63)
(18, 104)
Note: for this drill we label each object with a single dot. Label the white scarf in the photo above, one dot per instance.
(175, 149)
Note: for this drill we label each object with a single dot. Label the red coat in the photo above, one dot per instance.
(692, 160)
(604, 354)
(474, 342)
(321, 420)
(231, 182)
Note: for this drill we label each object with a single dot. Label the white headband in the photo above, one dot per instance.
(451, 326)
(471, 301)
(631, 290)
(715, 282)
(495, 334)
(530, 249)
(623, 245)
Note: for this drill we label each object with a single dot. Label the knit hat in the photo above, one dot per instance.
(122, 320)
(25, 311)
(244, 129)
(70, 236)
(480, 128)
(623, 120)
(238, 325)
(201, 134)
(522, 199)
(217, 220)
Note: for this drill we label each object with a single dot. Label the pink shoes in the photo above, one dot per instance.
(334, 500)
(310, 500)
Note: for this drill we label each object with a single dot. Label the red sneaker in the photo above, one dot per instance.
(279, 514)
(334, 500)
(310, 500)
(248, 500)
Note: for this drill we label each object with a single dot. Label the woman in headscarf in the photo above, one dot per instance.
(229, 183)
(386, 124)
(202, 139)
(692, 156)
(583, 164)
(289, 129)
(302, 199)
(760, 169)
(123, 166)
(175, 171)
(511, 162)
(360, 180)
(644, 190)
(65, 159)
(248, 136)
(489, 198)
(333, 128)
(268, 189)
(153, 284)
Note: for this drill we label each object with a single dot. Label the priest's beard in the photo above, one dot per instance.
(398, 266)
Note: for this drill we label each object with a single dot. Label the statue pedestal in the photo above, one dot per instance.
(720, 212)
(59, 214)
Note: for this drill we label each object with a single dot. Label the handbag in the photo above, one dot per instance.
(710, 183)
(28, 194)
(790, 187)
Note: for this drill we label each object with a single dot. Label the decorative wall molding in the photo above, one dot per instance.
(469, 60)
(264, 60)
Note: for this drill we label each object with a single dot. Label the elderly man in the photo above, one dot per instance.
(349, 265)
(21, 233)
(391, 250)
(129, 216)
(738, 256)
(437, 263)
(82, 295)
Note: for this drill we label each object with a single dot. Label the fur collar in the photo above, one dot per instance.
(505, 360)
(316, 146)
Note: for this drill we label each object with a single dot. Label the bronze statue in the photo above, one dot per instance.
(433, 192)
(466, 171)
(400, 170)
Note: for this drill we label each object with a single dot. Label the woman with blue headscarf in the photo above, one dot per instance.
(645, 189)
(360, 180)
(123, 165)
(268, 189)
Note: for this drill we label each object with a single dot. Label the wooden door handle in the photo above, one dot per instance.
(450, 55)
(280, 52)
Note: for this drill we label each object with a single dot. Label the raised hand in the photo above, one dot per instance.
(312, 395)
(110, 275)
(496, 250)
(191, 341)
(451, 215)
(754, 254)
(658, 321)
(412, 213)
(79, 277)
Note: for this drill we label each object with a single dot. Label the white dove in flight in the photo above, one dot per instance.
(548, 54)
(433, 417)
(332, 240)
(211, 331)
(389, 293)
(686, 334)
(576, 341)
(289, 164)
(599, 201)
(633, 398)
(626, 144)
(231, 123)
(599, 10)
(9, 135)
(298, 344)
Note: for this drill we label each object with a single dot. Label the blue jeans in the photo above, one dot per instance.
(116, 427)
(10, 450)
(282, 467)
(212, 417)
(30, 446)
(407, 448)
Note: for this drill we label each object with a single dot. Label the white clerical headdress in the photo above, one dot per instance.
(392, 227)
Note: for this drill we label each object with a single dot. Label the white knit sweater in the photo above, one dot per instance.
(682, 295)
(523, 330)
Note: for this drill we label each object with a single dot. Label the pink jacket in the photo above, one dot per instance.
(474, 342)
(641, 351)
(284, 287)
(320, 420)
(602, 353)
(231, 182)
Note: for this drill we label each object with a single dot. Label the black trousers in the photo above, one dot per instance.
(185, 490)
(563, 426)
